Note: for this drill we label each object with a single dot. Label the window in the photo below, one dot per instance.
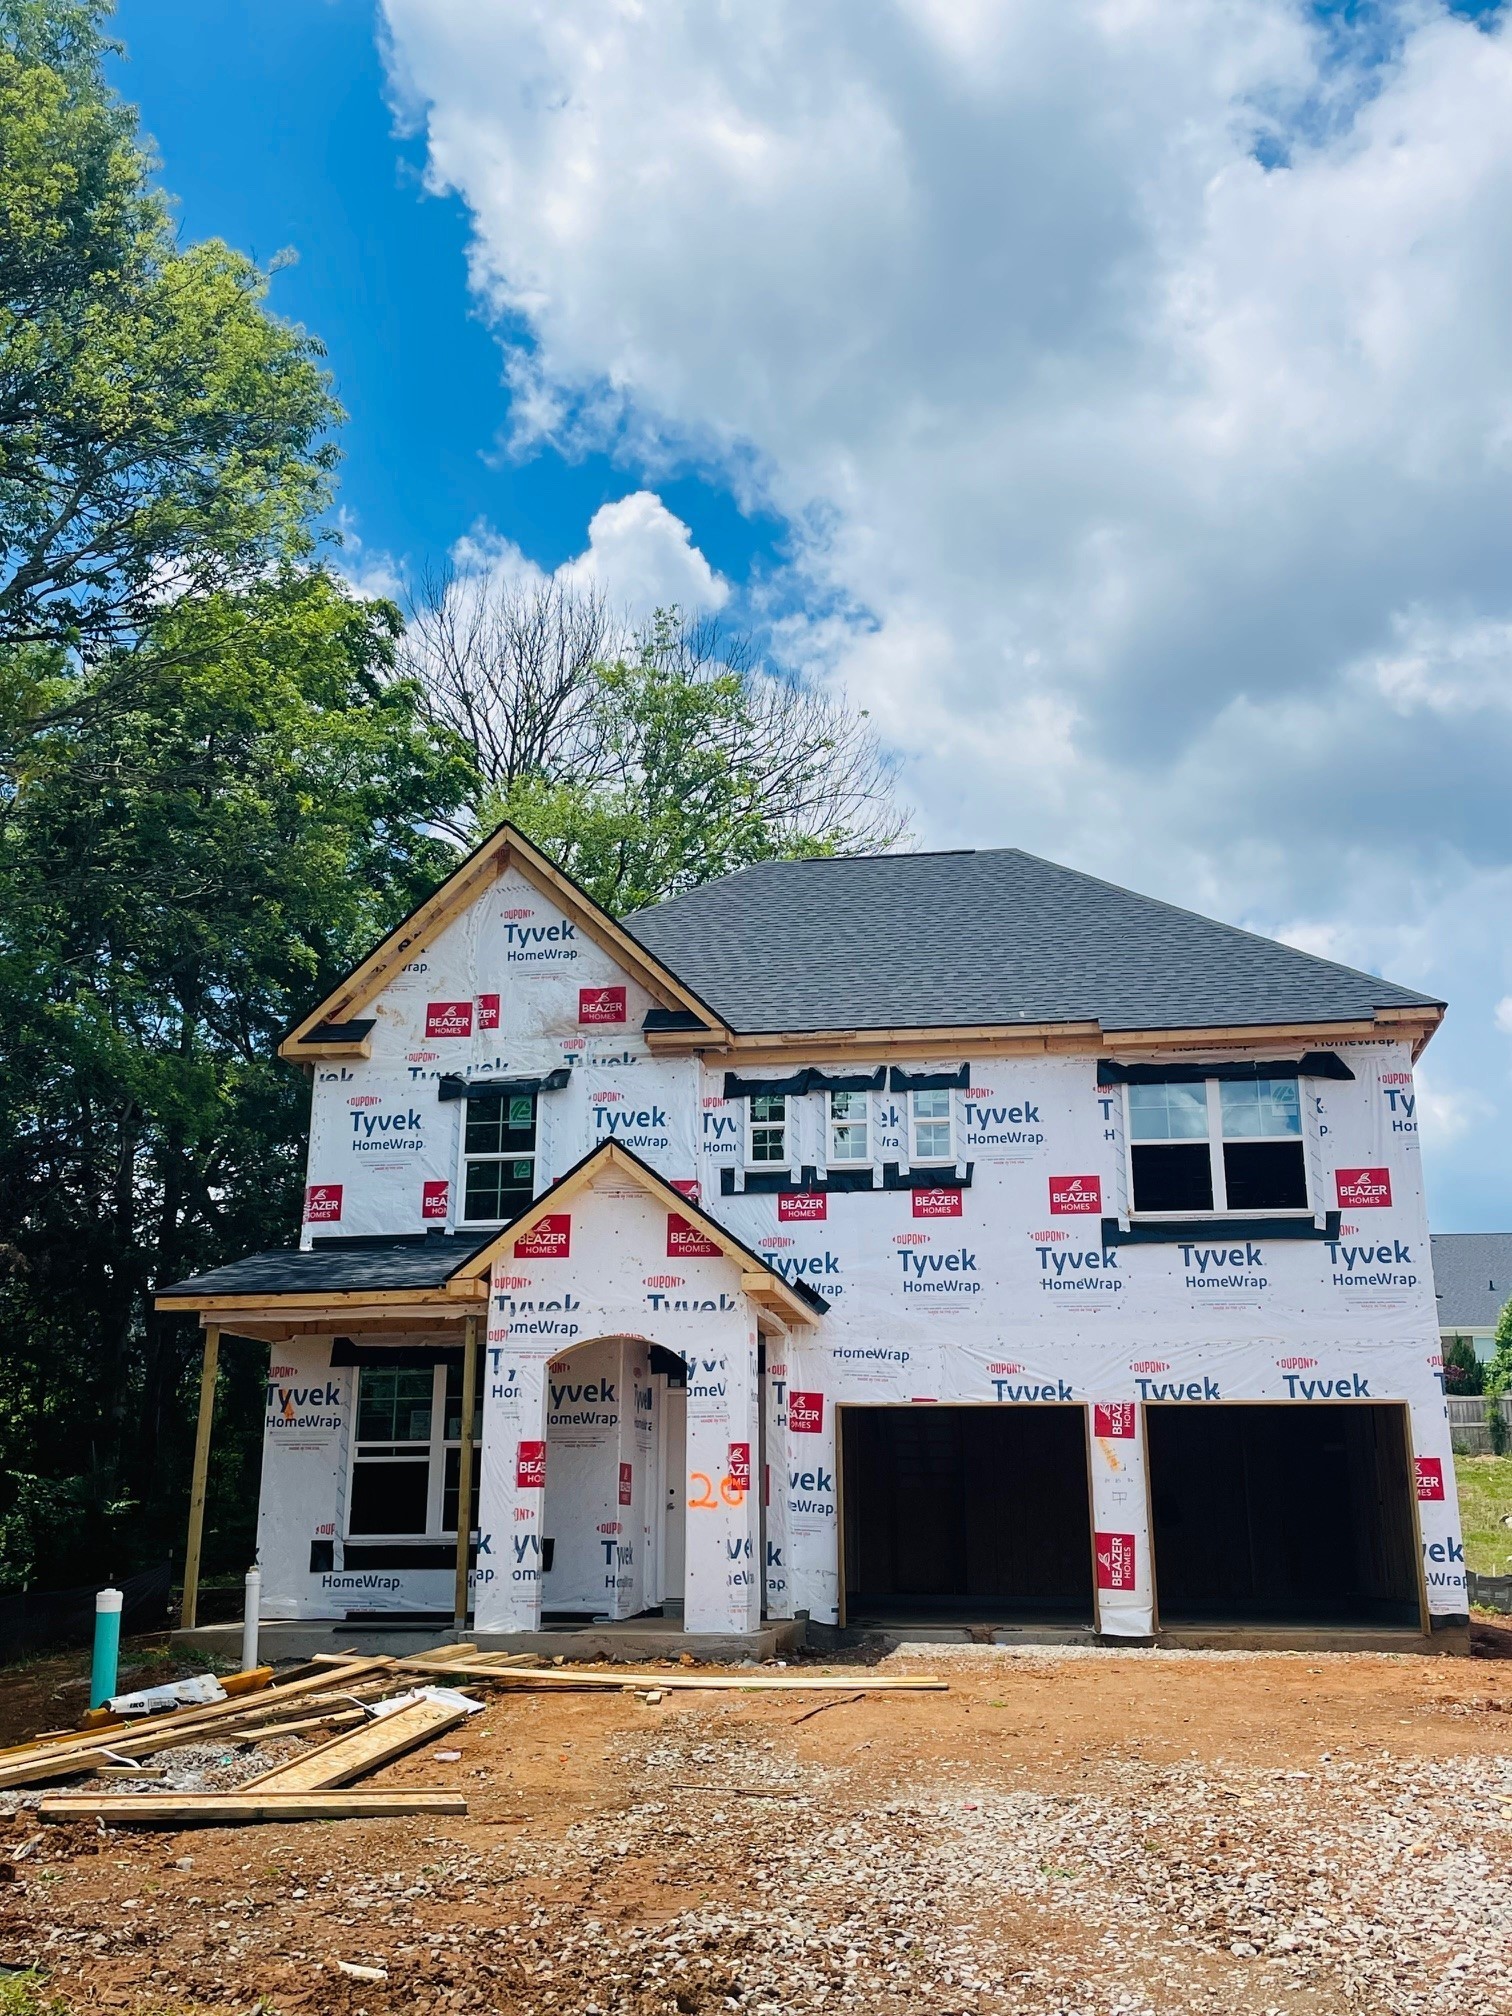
(766, 1131)
(929, 1127)
(407, 1456)
(1221, 1145)
(849, 1127)
(499, 1151)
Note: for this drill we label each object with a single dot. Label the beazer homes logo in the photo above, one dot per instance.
(1075, 1193)
(323, 1203)
(488, 1011)
(601, 1004)
(1113, 1420)
(435, 1198)
(550, 1238)
(1363, 1189)
(801, 1207)
(686, 1242)
(937, 1203)
(448, 1018)
(806, 1413)
(1115, 1561)
(1430, 1477)
(530, 1467)
(739, 1465)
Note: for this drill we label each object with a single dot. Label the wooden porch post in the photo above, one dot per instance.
(464, 1467)
(197, 1484)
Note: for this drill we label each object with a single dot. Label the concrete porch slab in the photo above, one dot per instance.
(631, 1642)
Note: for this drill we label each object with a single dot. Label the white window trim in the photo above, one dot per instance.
(918, 1161)
(455, 1220)
(435, 1487)
(789, 1117)
(832, 1161)
(1215, 1144)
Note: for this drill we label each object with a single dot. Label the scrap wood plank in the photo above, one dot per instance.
(358, 1751)
(179, 1809)
(159, 1732)
(566, 1678)
(248, 1681)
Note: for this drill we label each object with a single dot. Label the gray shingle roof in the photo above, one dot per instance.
(946, 940)
(343, 1264)
(1472, 1272)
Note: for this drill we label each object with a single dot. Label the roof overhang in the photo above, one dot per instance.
(328, 1030)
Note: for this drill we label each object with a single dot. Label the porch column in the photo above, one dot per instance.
(722, 1587)
(464, 1470)
(512, 1484)
(1123, 1570)
(208, 1371)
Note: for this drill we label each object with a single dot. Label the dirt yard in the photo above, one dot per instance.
(1062, 1832)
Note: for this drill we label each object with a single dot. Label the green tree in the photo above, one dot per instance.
(160, 432)
(181, 872)
(1498, 1382)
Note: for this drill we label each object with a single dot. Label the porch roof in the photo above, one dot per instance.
(337, 1266)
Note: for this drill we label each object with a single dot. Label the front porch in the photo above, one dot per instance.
(633, 1641)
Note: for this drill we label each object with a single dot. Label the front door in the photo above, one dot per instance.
(674, 1473)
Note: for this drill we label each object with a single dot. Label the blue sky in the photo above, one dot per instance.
(1115, 402)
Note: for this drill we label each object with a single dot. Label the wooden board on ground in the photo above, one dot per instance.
(358, 1751)
(180, 1809)
(568, 1677)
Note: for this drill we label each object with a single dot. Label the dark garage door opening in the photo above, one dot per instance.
(974, 1513)
(1283, 1515)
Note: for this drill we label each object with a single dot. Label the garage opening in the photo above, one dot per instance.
(1284, 1515)
(975, 1514)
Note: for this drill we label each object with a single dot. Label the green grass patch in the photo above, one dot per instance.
(1485, 1499)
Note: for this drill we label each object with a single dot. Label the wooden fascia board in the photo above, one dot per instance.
(341, 1301)
(612, 1157)
(462, 888)
(313, 1053)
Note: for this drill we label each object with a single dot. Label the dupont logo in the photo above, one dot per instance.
(488, 1011)
(518, 913)
(937, 1203)
(910, 1238)
(740, 1466)
(776, 1242)
(550, 1238)
(687, 1186)
(601, 1004)
(686, 1242)
(1430, 1478)
(1149, 1365)
(530, 1467)
(662, 1281)
(806, 1413)
(448, 1018)
(421, 1056)
(435, 1198)
(365, 1099)
(1115, 1561)
(1049, 1238)
(1296, 1364)
(801, 1207)
(626, 1481)
(1075, 1193)
(1363, 1189)
(1113, 1420)
(323, 1203)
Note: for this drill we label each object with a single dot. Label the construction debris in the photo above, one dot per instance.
(409, 1721)
(180, 1809)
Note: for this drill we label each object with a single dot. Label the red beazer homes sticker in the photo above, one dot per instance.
(530, 1467)
(626, 1480)
(686, 1242)
(1075, 1193)
(488, 1011)
(1363, 1189)
(1115, 1560)
(601, 1004)
(801, 1207)
(1113, 1420)
(323, 1203)
(435, 1198)
(448, 1018)
(806, 1413)
(937, 1203)
(740, 1465)
(1430, 1477)
(550, 1238)
(687, 1186)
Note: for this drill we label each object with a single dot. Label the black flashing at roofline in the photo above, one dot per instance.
(1313, 1064)
(341, 1032)
(454, 1087)
(900, 1080)
(1190, 1231)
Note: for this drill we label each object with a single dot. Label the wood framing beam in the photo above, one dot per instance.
(339, 1302)
(464, 1469)
(209, 1367)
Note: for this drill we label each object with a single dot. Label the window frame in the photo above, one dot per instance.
(785, 1160)
(915, 1159)
(437, 1448)
(1217, 1173)
(458, 1216)
(866, 1158)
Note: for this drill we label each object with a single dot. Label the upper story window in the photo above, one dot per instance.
(407, 1452)
(930, 1130)
(1219, 1145)
(498, 1157)
(849, 1127)
(767, 1131)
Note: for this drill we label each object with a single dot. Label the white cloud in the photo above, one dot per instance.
(1156, 502)
(639, 555)
(1502, 1014)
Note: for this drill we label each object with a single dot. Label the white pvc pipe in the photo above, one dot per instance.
(250, 1609)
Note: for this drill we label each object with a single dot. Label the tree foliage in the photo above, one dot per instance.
(1498, 1382)
(646, 761)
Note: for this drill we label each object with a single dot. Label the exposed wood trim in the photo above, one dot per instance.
(209, 1367)
(464, 1468)
(341, 1301)
(183, 1809)
(611, 1157)
(504, 848)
